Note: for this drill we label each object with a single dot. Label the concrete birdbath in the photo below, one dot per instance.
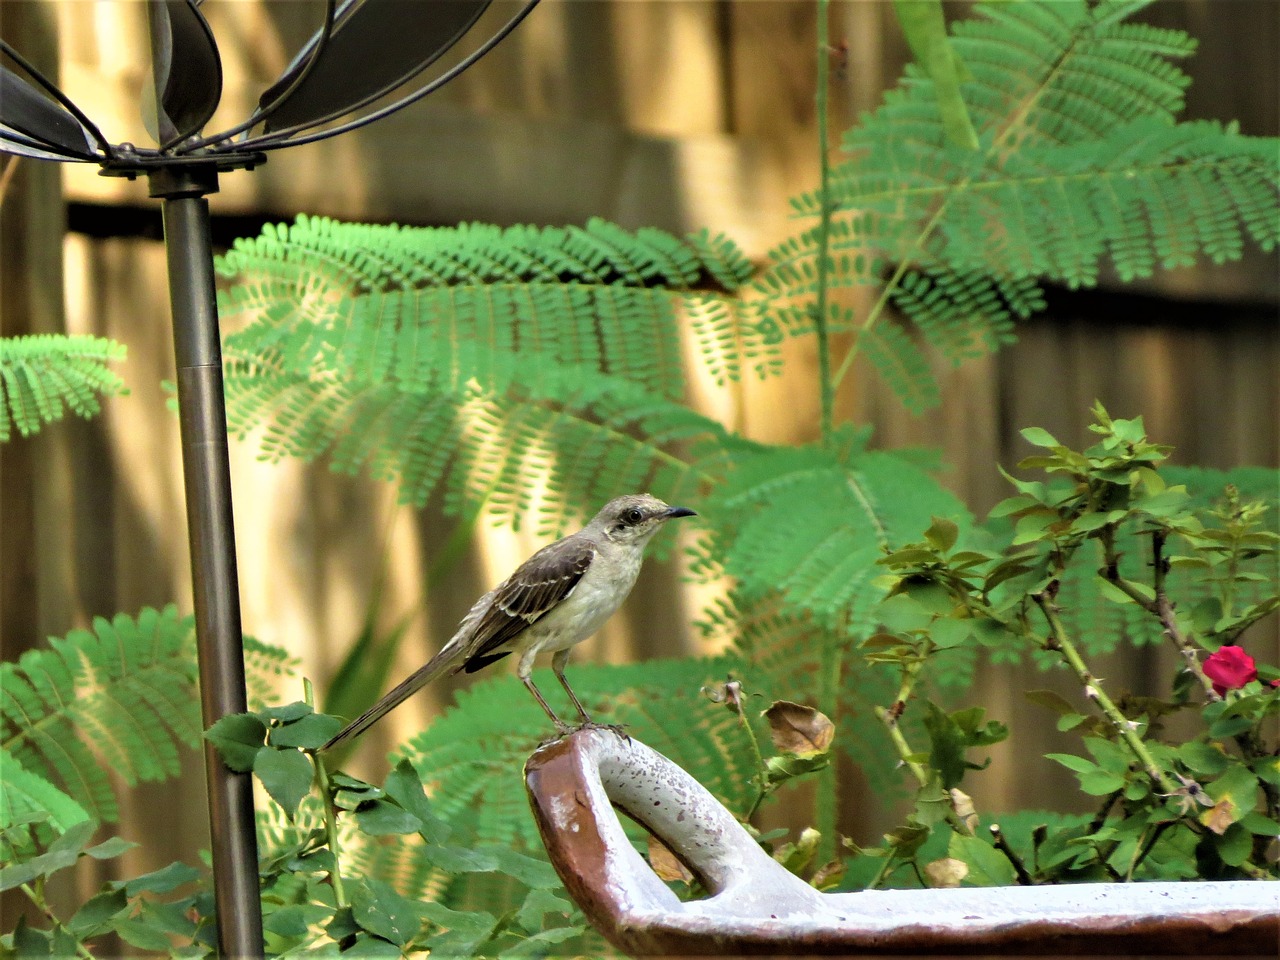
(757, 907)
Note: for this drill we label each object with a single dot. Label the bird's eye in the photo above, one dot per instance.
(632, 516)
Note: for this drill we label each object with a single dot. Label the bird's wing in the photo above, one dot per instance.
(545, 579)
(529, 594)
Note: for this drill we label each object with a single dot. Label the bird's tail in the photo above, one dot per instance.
(435, 667)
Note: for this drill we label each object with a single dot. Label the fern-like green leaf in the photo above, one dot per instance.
(119, 698)
(1080, 165)
(808, 525)
(486, 361)
(44, 375)
(23, 793)
(890, 349)
(597, 296)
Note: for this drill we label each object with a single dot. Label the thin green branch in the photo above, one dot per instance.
(821, 311)
(330, 810)
(1160, 606)
(1060, 643)
(905, 753)
(36, 896)
(762, 773)
(949, 193)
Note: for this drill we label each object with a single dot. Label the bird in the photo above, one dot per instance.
(553, 601)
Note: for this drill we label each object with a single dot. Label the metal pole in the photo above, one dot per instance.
(212, 543)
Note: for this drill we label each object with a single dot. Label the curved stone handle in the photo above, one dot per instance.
(757, 907)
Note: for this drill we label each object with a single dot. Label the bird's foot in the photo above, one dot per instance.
(564, 729)
(618, 729)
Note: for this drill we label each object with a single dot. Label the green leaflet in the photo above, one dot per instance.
(43, 375)
(128, 687)
(1079, 166)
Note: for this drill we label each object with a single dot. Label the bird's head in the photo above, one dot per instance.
(635, 518)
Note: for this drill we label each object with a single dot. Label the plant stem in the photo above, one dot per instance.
(821, 313)
(1141, 850)
(331, 830)
(827, 801)
(1161, 607)
(1002, 844)
(900, 744)
(762, 774)
(1061, 644)
(36, 896)
(883, 872)
(330, 811)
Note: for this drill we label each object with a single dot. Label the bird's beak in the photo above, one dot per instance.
(672, 512)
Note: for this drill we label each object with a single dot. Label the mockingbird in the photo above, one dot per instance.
(557, 598)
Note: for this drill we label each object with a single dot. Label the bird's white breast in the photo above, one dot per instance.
(597, 596)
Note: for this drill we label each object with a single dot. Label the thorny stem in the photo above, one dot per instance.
(900, 744)
(763, 774)
(330, 811)
(889, 717)
(1002, 844)
(1060, 643)
(1161, 607)
(820, 315)
(1141, 850)
(36, 895)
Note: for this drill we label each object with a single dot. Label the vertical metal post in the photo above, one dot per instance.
(212, 542)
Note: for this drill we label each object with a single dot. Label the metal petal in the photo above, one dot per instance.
(34, 126)
(375, 46)
(186, 69)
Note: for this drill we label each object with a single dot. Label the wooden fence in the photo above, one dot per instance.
(675, 115)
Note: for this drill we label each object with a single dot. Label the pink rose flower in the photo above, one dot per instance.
(1230, 668)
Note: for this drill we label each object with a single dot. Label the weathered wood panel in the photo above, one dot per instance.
(677, 115)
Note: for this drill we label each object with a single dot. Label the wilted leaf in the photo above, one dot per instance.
(1220, 816)
(666, 864)
(796, 856)
(945, 873)
(963, 806)
(828, 876)
(798, 729)
(729, 693)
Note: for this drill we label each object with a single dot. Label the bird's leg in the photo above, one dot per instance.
(561, 726)
(558, 662)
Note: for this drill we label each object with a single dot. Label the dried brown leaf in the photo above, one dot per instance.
(665, 863)
(947, 872)
(798, 729)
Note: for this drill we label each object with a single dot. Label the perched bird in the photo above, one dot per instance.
(556, 599)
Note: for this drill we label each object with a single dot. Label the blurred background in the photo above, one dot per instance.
(677, 114)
